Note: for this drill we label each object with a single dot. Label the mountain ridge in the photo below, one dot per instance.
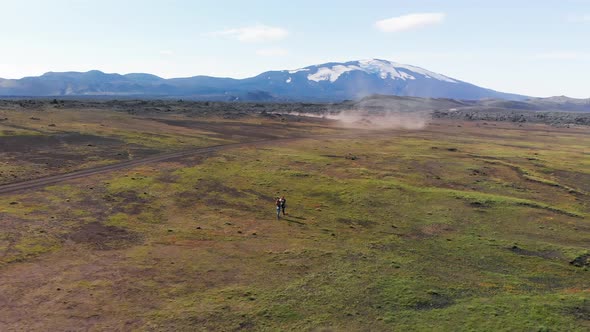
(333, 81)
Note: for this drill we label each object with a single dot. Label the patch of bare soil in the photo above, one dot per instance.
(216, 186)
(104, 237)
(42, 155)
(436, 301)
(581, 312)
(356, 222)
(550, 254)
(73, 290)
(129, 202)
(259, 195)
(206, 191)
(576, 180)
(25, 143)
(429, 231)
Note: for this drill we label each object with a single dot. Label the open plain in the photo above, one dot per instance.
(458, 225)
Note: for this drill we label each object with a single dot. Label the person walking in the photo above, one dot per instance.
(278, 205)
(283, 204)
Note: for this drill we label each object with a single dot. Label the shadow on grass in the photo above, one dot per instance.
(292, 219)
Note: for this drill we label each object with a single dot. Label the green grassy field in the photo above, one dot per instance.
(451, 228)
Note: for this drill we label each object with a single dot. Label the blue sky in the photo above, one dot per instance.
(538, 48)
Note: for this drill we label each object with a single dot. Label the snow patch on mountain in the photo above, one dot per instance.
(424, 72)
(298, 70)
(331, 73)
(385, 70)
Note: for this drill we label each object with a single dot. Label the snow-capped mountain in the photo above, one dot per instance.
(357, 79)
(325, 82)
(385, 70)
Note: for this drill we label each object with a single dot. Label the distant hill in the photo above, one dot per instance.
(562, 103)
(325, 82)
(384, 103)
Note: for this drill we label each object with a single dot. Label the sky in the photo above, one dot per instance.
(538, 48)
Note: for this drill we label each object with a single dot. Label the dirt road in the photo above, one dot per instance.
(53, 179)
(49, 180)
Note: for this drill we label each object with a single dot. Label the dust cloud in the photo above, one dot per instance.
(375, 120)
(387, 120)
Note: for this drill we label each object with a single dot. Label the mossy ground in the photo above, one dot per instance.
(48, 141)
(437, 229)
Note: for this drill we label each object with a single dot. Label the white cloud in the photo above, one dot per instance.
(410, 21)
(254, 34)
(272, 52)
(562, 55)
(166, 52)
